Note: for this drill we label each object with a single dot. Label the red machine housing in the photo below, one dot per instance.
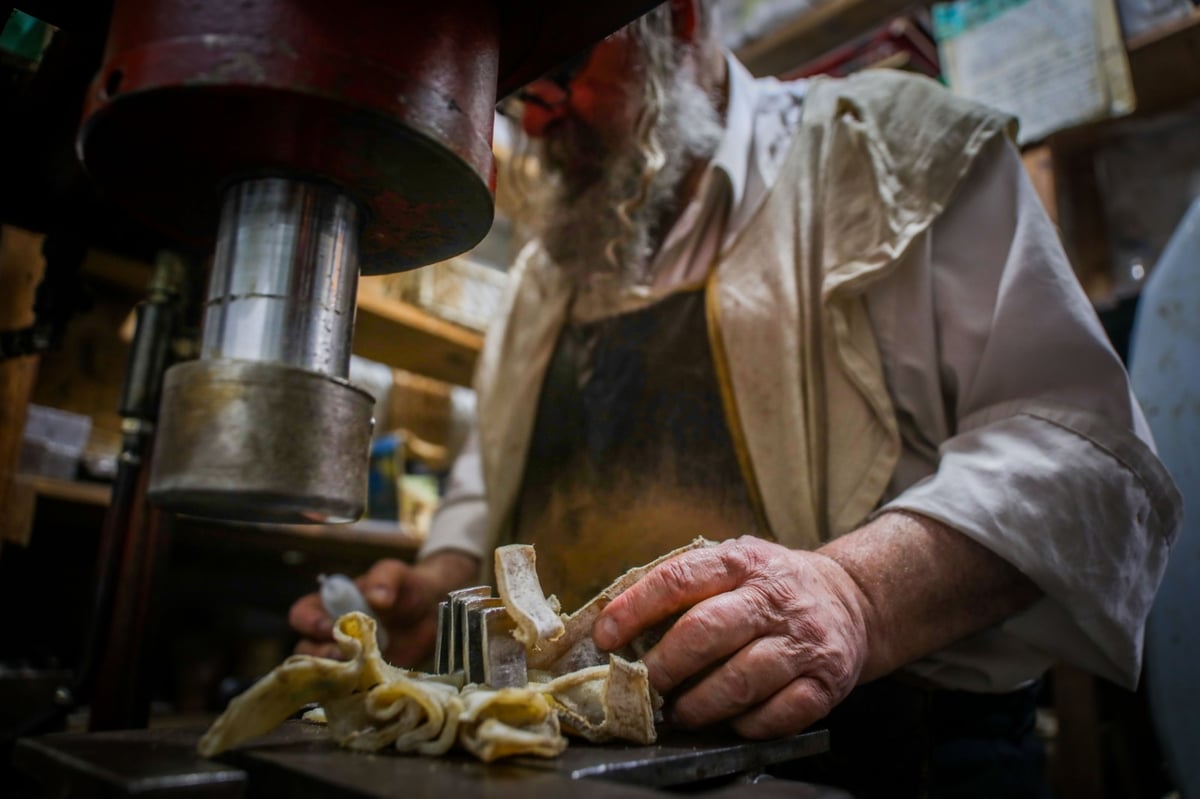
(391, 102)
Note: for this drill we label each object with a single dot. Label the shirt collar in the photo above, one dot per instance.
(762, 116)
(733, 152)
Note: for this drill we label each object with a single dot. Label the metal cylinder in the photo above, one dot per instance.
(261, 442)
(265, 427)
(284, 277)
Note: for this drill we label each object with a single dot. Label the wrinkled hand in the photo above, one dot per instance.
(772, 638)
(403, 597)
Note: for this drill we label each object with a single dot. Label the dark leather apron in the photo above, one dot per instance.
(632, 456)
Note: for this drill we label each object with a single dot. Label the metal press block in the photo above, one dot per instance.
(503, 656)
(458, 622)
(473, 636)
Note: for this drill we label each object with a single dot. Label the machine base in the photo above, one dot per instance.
(300, 760)
(261, 442)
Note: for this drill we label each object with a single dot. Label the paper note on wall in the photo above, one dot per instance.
(1051, 63)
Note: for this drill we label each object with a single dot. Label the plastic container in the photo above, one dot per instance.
(53, 442)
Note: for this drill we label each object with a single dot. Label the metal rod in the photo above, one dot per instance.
(134, 539)
(121, 694)
(284, 276)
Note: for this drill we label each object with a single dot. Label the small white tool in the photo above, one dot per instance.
(340, 596)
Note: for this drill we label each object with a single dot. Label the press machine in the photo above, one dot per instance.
(302, 143)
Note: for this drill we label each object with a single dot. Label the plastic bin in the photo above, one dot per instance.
(53, 442)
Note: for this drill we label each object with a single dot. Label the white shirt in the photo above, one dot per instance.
(1030, 456)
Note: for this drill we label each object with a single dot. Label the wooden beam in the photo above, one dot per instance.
(364, 531)
(1081, 219)
(117, 270)
(16, 522)
(1077, 767)
(21, 267)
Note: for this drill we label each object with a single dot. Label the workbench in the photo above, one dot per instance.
(299, 760)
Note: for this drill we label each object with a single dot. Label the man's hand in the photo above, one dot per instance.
(403, 597)
(772, 638)
(776, 637)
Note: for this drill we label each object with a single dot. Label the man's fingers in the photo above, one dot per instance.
(670, 587)
(308, 617)
(800, 704)
(318, 649)
(413, 645)
(710, 631)
(746, 680)
(382, 583)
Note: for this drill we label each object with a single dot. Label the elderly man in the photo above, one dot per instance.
(829, 324)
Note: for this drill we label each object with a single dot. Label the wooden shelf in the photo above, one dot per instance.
(817, 31)
(406, 337)
(1166, 65)
(366, 531)
(75, 491)
(26, 490)
(386, 330)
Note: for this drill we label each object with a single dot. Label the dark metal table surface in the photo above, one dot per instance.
(299, 760)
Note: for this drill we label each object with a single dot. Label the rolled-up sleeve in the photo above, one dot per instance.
(461, 520)
(1042, 453)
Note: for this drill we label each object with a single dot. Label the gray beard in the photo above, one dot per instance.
(576, 213)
